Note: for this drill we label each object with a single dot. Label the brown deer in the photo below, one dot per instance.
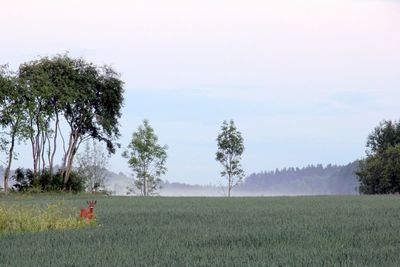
(88, 213)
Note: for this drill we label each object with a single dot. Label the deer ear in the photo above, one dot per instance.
(87, 202)
(95, 202)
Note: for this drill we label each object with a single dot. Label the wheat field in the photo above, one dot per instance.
(259, 231)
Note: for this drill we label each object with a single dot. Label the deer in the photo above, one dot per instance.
(88, 213)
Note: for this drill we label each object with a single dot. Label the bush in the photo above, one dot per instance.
(46, 182)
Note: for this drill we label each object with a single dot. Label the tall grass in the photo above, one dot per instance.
(277, 231)
(34, 218)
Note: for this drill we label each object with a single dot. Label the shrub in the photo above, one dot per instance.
(46, 182)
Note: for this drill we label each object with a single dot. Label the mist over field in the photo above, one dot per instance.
(310, 180)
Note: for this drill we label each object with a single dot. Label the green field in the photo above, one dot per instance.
(267, 231)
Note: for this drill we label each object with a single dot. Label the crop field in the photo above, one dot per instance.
(265, 231)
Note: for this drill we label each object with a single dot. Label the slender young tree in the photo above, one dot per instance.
(147, 159)
(37, 110)
(229, 153)
(92, 164)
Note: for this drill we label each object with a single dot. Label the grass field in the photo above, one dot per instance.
(275, 231)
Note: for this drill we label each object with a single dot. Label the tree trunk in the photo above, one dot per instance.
(10, 157)
(230, 182)
(67, 167)
(69, 157)
(37, 149)
(145, 191)
(65, 159)
(144, 185)
(42, 148)
(32, 138)
(51, 160)
(229, 185)
(48, 150)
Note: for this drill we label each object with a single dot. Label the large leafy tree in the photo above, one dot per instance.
(49, 83)
(147, 159)
(379, 172)
(12, 121)
(93, 109)
(229, 153)
(88, 97)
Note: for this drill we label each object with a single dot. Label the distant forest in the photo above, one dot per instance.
(313, 179)
(310, 180)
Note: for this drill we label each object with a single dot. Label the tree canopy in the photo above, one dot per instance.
(379, 172)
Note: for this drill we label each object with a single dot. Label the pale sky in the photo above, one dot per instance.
(305, 81)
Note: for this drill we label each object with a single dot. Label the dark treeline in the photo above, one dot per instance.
(313, 179)
(310, 180)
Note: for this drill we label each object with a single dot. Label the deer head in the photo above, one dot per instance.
(91, 204)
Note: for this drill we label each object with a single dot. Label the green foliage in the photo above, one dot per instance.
(47, 182)
(43, 101)
(13, 128)
(17, 218)
(230, 150)
(23, 179)
(379, 173)
(88, 97)
(147, 159)
(386, 135)
(278, 231)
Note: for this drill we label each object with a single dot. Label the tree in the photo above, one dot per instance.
(89, 98)
(93, 110)
(147, 159)
(49, 84)
(38, 109)
(379, 172)
(229, 153)
(11, 117)
(92, 164)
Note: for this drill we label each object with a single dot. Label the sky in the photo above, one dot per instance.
(304, 81)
